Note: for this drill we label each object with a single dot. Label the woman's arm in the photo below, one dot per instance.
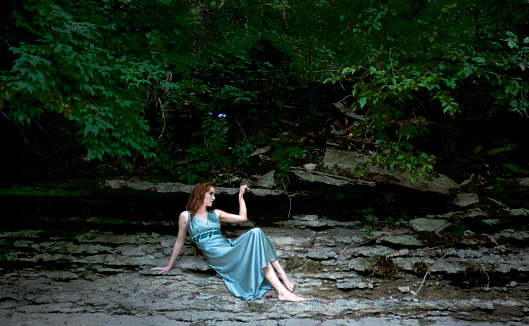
(232, 218)
(182, 230)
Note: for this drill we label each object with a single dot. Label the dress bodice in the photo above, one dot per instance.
(197, 227)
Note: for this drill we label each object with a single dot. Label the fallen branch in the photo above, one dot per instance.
(427, 272)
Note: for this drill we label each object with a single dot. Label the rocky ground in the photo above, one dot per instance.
(348, 272)
(81, 253)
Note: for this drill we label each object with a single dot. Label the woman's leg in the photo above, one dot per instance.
(283, 275)
(283, 293)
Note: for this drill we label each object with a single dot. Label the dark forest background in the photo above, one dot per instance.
(173, 90)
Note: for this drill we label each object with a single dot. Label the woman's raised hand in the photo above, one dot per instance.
(161, 269)
(243, 189)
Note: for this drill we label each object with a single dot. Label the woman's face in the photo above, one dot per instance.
(209, 197)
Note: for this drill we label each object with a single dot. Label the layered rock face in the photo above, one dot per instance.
(99, 261)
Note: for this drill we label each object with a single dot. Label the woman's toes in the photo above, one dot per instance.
(291, 297)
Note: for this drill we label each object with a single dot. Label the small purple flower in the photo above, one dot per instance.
(222, 115)
(210, 113)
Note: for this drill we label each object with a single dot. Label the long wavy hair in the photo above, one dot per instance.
(196, 198)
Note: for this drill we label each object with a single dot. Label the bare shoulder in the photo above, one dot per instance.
(219, 212)
(183, 217)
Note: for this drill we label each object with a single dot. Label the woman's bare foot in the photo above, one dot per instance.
(290, 297)
(286, 281)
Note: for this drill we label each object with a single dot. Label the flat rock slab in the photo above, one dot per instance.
(429, 225)
(325, 179)
(316, 222)
(193, 298)
(344, 161)
(92, 319)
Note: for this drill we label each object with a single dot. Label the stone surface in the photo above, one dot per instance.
(401, 240)
(518, 182)
(266, 181)
(175, 187)
(341, 161)
(315, 222)
(487, 306)
(100, 266)
(352, 284)
(404, 289)
(519, 212)
(429, 225)
(330, 180)
(110, 273)
(310, 166)
(466, 199)
(474, 213)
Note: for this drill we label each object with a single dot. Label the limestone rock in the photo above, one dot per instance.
(474, 213)
(315, 222)
(478, 240)
(370, 251)
(266, 181)
(519, 212)
(404, 289)
(468, 253)
(62, 276)
(493, 202)
(135, 185)
(310, 166)
(508, 235)
(492, 222)
(322, 253)
(466, 199)
(325, 179)
(429, 225)
(353, 284)
(487, 305)
(400, 240)
(518, 182)
(344, 161)
(175, 187)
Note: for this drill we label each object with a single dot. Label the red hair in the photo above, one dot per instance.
(196, 198)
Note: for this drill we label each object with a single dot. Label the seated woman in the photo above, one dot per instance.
(248, 265)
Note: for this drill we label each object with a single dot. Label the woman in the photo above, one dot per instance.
(248, 265)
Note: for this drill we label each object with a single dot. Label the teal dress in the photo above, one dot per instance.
(240, 262)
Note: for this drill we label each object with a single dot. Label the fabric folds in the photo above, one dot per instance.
(239, 262)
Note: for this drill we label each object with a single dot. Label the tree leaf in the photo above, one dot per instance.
(362, 101)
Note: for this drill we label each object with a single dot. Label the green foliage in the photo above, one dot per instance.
(503, 149)
(131, 79)
(286, 152)
(65, 69)
(457, 228)
(211, 156)
(515, 168)
(415, 60)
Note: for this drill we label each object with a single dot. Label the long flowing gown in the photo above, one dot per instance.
(240, 262)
